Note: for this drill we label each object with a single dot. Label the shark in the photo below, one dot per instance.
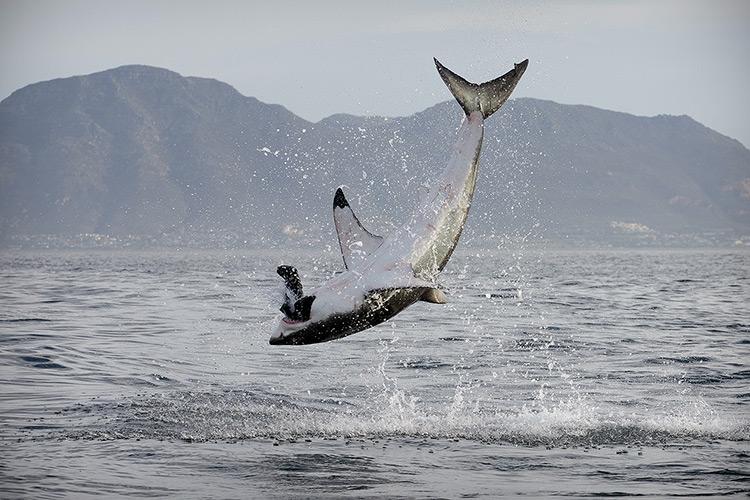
(384, 276)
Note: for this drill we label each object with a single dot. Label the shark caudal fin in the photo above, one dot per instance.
(485, 97)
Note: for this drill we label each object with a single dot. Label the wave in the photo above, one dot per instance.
(239, 415)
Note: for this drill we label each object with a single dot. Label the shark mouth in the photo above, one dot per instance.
(288, 321)
(296, 306)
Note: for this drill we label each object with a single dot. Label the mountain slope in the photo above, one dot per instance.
(144, 151)
(134, 150)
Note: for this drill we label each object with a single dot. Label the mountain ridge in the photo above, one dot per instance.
(136, 66)
(140, 150)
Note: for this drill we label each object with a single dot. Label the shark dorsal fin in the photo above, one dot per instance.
(356, 242)
(434, 296)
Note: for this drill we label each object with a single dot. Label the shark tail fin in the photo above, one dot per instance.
(485, 97)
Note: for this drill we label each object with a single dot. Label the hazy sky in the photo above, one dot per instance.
(323, 57)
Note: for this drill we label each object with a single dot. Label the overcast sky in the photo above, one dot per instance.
(323, 57)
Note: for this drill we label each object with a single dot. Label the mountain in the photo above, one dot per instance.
(142, 153)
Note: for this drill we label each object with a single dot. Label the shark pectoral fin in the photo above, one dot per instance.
(356, 242)
(434, 296)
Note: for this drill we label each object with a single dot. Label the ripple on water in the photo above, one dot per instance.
(26, 320)
(42, 362)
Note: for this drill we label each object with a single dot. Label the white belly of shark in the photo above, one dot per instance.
(386, 275)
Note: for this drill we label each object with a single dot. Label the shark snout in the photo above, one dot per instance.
(284, 329)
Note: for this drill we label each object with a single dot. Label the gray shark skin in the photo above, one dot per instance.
(378, 306)
(386, 275)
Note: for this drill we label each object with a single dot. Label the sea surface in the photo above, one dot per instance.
(550, 373)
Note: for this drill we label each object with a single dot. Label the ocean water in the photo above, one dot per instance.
(549, 373)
